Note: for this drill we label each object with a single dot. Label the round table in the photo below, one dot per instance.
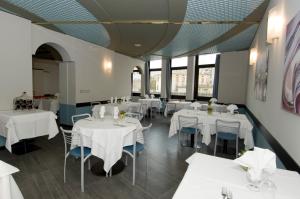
(106, 137)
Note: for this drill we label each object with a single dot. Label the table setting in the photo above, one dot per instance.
(208, 119)
(213, 177)
(106, 136)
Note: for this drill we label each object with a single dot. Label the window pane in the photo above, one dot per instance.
(155, 64)
(207, 59)
(206, 82)
(181, 61)
(179, 82)
(136, 82)
(155, 82)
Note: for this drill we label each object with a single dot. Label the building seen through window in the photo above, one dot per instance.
(155, 76)
(205, 71)
(179, 76)
(136, 81)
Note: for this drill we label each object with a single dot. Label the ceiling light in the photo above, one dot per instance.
(137, 45)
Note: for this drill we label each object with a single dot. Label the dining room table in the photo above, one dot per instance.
(175, 106)
(107, 136)
(208, 123)
(207, 176)
(151, 102)
(8, 186)
(123, 106)
(17, 125)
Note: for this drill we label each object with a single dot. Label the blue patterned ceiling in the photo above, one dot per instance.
(67, 10)
(191, 37)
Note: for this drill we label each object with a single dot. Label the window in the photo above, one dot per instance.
(155, 76)
(178, 77)
(136, 79)
(205, 76)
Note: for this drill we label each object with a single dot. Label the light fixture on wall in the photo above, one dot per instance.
(253, 56)
(275, 22)
(107, 66)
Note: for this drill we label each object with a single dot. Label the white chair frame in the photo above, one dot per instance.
(68, 136)
(85, 115)
(133, 155)
(233, 127)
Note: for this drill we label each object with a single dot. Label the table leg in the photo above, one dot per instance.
(97, 168)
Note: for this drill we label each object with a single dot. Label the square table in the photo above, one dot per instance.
(25, 124)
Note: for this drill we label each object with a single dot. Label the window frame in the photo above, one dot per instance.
(151, 70)
(135, 93)
(171, 71)
(196, 80)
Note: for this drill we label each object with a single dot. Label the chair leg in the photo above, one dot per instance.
(110, 172)
(65, 164)
(82, 176)
(195, 141)
(237, 147)
(89, 164)
(215, 149)
(133, 171)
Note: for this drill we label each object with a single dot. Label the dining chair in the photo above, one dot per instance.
(137, 147)
(189, 126)
(74, 147)
(144, 109)
(155, 106)
(227, 130)
(135, 112)
(2, 141)
(75, 118)
(171, 107)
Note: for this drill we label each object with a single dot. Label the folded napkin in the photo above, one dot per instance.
(147, 96)
(102, 111)
(152, 96)
(213, 100)
(116, 112)
(112, 100)
(195, 105)
(259, 162)
(116, 99)
(231, 108)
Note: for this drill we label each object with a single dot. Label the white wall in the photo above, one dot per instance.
(92, 82)
(233, 77)
(283, 125)
(15, 61)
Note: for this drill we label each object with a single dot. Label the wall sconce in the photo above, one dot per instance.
(107, 66)
(274, 24)
(253, 56)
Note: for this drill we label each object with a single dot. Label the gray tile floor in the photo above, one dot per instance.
(41, 171)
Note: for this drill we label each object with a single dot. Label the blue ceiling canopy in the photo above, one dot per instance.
(191, 37)
(67, 10)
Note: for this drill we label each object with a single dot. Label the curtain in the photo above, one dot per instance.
(147, 77)
(216, 80)
(168, 79)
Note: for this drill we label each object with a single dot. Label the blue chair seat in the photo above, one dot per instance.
(139, 148)
(226, 136)
(2, 141)
(189, 130)
(76, 152)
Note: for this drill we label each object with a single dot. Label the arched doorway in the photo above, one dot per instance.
(54, 80)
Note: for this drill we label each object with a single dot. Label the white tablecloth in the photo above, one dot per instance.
(206, 175)
(18, 125)
(209, 124)
(149, 101)
(109, 108)
(47, 104)
(175, 106)
(106, 137)
(8, 187)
